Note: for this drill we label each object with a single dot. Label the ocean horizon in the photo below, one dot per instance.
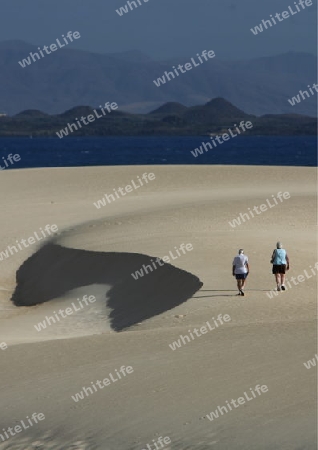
(163, 150)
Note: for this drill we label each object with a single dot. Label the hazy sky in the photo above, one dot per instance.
(162, 28)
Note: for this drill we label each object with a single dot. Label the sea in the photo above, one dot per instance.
(136, 150)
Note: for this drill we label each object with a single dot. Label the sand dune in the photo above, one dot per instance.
(170, 391)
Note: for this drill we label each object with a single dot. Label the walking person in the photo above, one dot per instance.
(240, 269)
(280, 263)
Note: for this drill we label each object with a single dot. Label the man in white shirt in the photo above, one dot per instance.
(240, 270)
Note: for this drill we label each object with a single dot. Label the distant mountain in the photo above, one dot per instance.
(30, 114)
(170, 108)
(216, 116)
(69, 77)
(215, 111)
(78, 111)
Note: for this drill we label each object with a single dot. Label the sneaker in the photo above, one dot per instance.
(242, 293)
(278, 288)
(238, 294)
(283, 288)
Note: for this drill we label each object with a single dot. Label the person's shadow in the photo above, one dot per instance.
(54, 270)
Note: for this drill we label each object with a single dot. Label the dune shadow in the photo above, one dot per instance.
(54, 270)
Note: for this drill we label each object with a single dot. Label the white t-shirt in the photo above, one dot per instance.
(239, 263)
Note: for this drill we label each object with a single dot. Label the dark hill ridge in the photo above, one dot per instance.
(216, 110)
(170, 108)
(216, 116)
(78, 111)
(68, 77)
(30, 114)
(220, 105)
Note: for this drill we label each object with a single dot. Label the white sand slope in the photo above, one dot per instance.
(170, 392)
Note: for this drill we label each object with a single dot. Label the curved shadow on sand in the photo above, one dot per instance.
(54, 270)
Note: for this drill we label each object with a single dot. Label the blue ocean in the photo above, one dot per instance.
(117, 150)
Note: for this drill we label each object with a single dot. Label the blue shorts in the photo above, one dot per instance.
(241, 276)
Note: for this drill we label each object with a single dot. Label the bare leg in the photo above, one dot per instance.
(282, 275)
(278, 280)
(242, 287)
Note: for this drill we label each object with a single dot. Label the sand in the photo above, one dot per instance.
(132, 322)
